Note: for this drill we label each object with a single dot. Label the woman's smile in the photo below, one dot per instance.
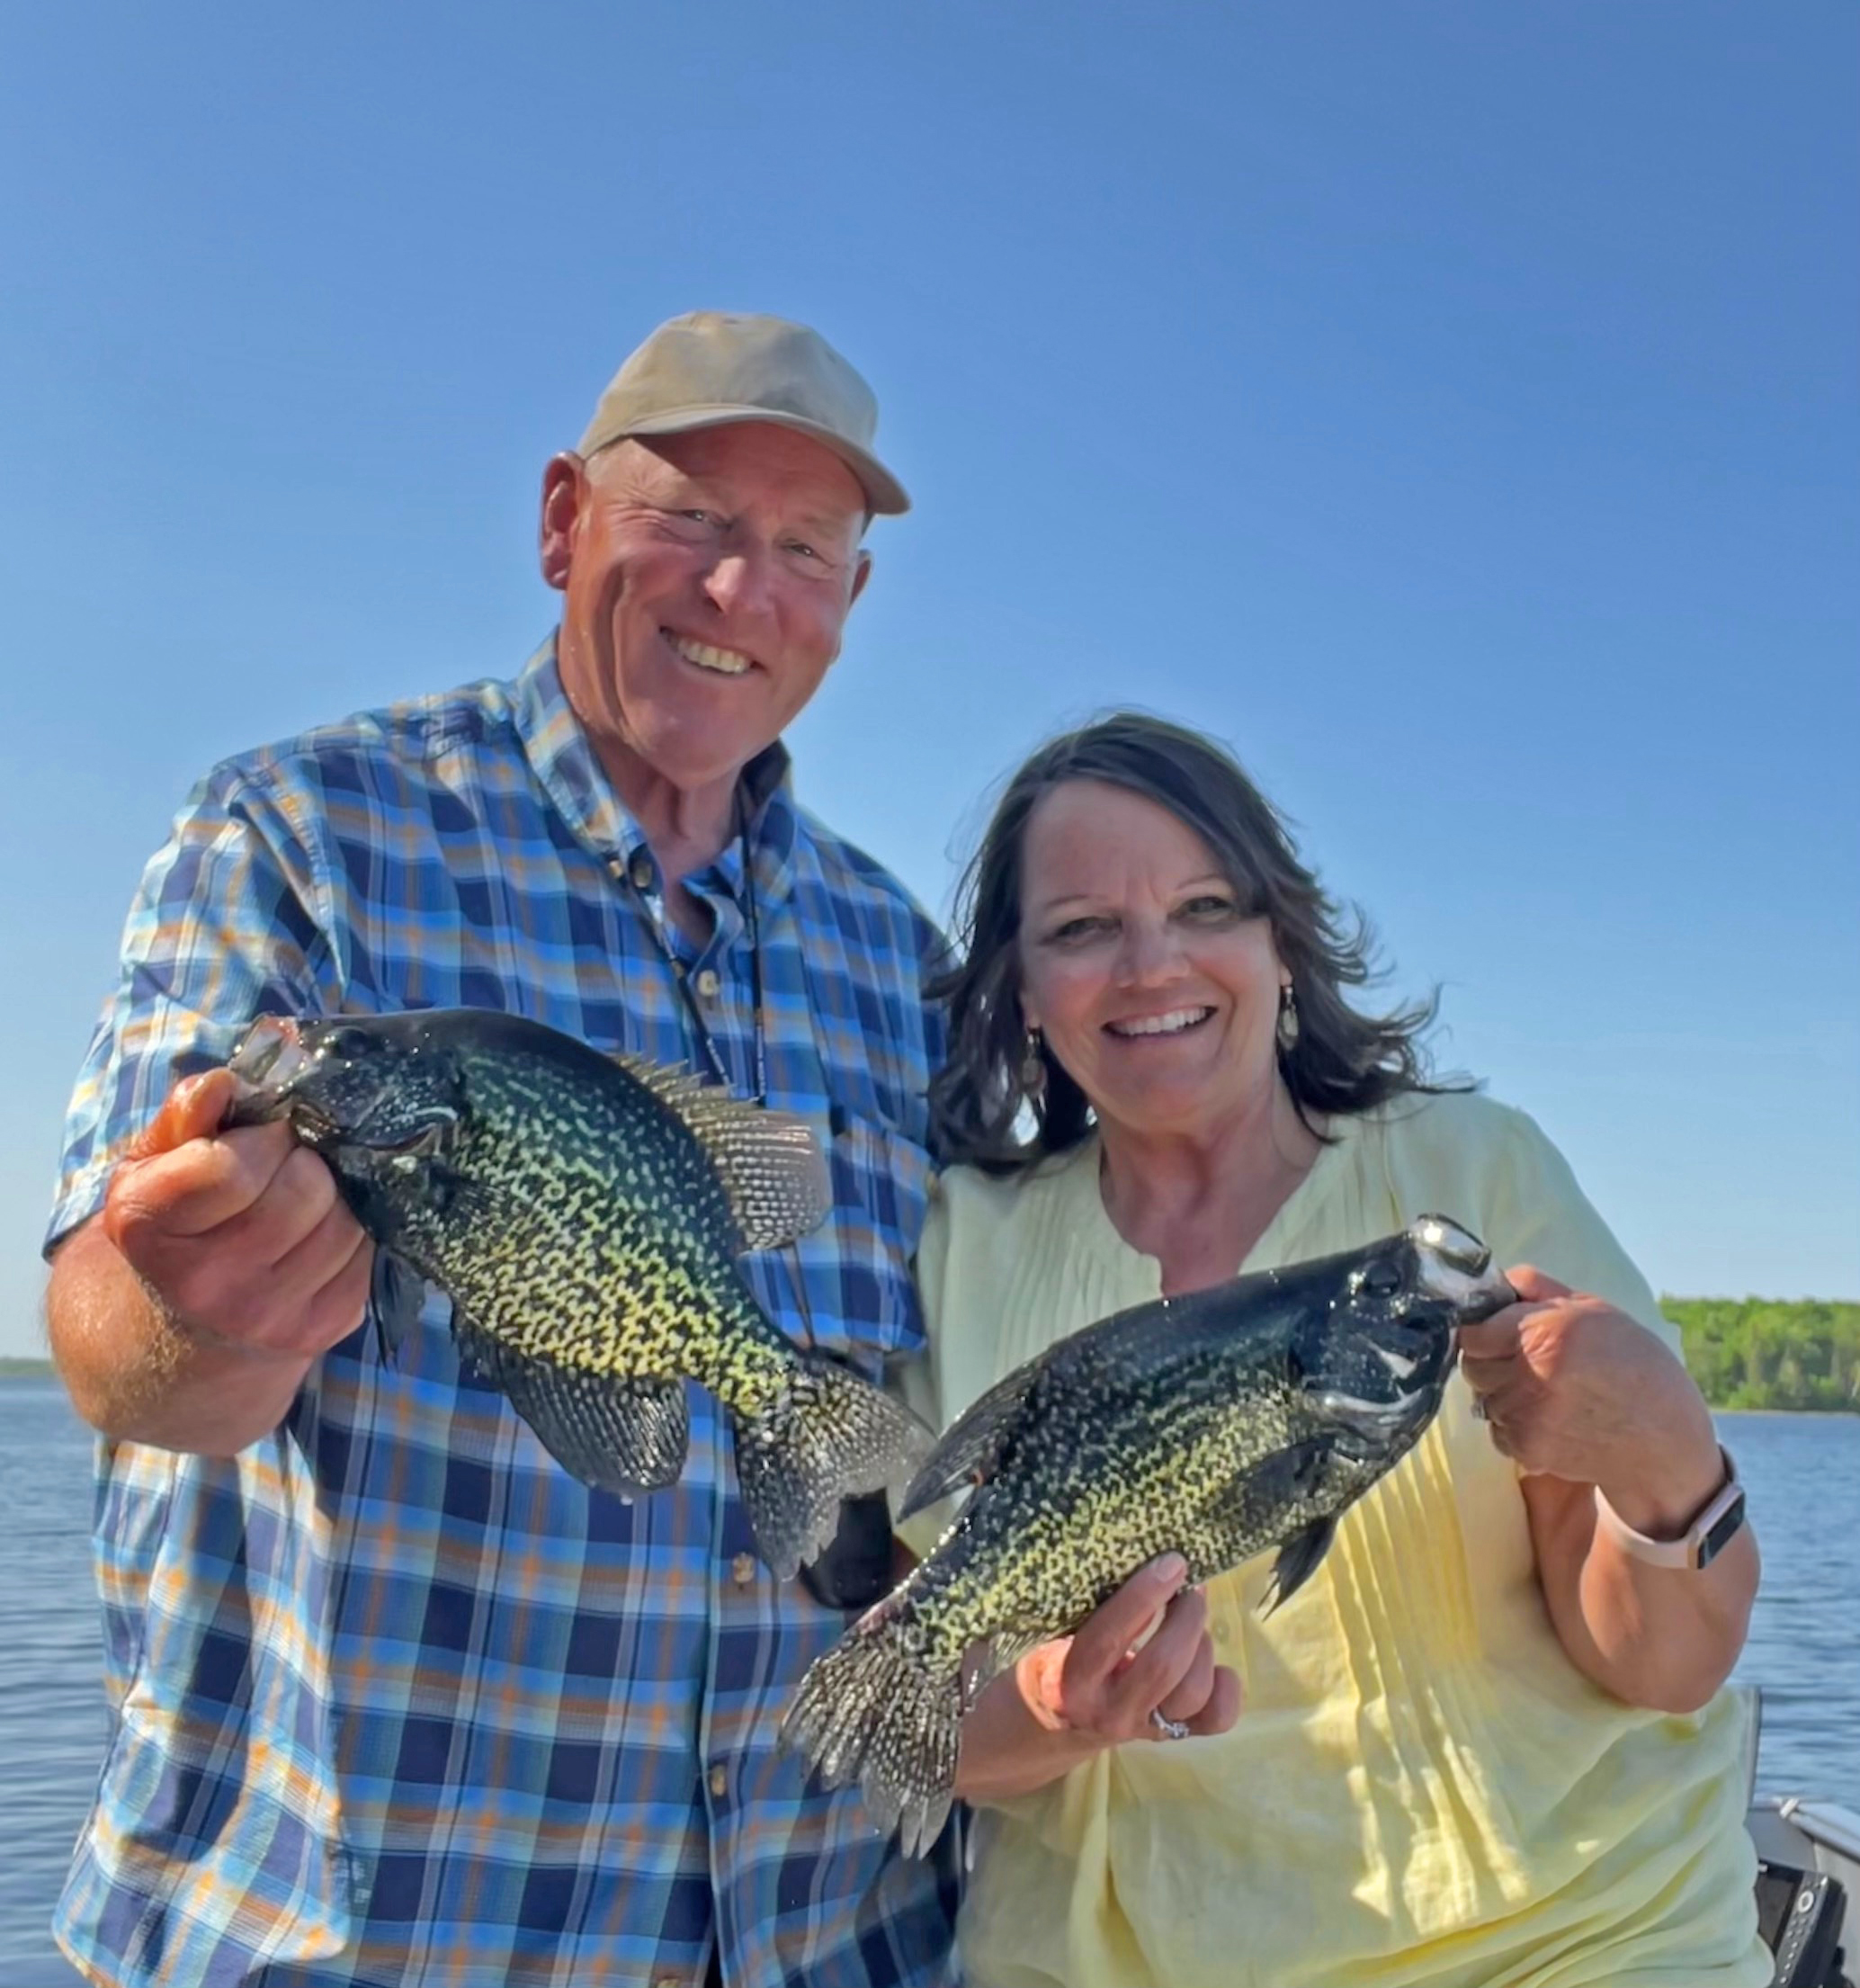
(1174, 1021)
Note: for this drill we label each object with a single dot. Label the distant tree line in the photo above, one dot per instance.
(1762, 1353)
(1743, 1352)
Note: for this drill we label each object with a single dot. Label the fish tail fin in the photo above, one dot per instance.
(866, 1712)
(831, 1435)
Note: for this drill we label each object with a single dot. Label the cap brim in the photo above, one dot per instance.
(883, 491)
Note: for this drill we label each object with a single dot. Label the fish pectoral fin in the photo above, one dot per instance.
(396, 1292)
(1298, 1561)
(971, 1446)
(1251, 1513)
(769, 1162)
(620, 1433)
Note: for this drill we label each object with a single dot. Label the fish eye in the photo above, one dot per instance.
(347, 1042)
(1380, 1280)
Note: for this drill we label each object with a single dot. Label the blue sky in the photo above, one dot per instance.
(1454, 407)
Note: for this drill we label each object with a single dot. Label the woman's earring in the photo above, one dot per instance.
(1287, 1030)
(1032, 1066)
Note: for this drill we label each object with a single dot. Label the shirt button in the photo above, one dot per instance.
(720, 1782)
(1221, 1632)
(642, 872)
(742, 1569)
(707, 983)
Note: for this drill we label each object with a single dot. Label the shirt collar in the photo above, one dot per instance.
(563, 759)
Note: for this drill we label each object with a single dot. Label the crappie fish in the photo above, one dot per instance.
(1216, 1425)
(583, 1212)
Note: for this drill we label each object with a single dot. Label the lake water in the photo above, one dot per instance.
(1804, 1475)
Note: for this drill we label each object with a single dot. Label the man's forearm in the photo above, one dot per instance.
(136, 1374)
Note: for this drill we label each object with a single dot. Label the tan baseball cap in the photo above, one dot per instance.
(712, 367)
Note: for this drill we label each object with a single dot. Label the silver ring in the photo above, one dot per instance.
(1170, 1729)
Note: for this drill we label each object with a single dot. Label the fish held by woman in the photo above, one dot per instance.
(584, 1214)
(1217, 1425)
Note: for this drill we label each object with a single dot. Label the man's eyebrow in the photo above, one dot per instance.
(822, 523)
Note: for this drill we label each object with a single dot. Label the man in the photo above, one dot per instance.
(399, 1701)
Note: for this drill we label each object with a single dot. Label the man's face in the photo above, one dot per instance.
(706, 580)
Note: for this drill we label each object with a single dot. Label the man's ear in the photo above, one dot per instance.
(861, 573)
(563, 482)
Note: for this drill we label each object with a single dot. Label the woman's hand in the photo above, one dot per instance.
(1584, 1399)
(1107, 1682)
(1573, 1388)
(1105, 1685)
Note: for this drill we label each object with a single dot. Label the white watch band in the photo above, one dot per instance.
(1701, 1542)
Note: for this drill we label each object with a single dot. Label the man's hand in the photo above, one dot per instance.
(223, 1264)
(1574, 1389)
(241, 1236)
(1106, 1681)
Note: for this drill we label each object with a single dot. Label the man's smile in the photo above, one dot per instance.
(722, 662)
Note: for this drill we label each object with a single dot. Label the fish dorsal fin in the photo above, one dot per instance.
(973, 1444)
(770, 1163)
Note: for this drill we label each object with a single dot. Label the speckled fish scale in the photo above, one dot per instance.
(584, 1215)
(1217, 1426)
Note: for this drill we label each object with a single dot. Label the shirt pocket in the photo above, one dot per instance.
(880, 1195)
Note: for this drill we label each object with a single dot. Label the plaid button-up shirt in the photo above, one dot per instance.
(396, 1700)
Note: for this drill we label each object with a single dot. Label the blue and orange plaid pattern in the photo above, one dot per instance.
(397, 1701)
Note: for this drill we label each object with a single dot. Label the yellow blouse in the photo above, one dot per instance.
(1422, 1791)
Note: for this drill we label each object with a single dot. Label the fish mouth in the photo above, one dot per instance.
(271, 1054)
(1456, 1268)
(1453, 1245)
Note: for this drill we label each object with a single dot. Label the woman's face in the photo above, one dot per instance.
(1154, 990)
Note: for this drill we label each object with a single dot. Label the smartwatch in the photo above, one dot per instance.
(1708, 1534)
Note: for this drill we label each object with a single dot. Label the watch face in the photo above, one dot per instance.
(1722, 1531)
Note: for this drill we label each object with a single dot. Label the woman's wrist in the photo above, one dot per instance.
(1661, 1501)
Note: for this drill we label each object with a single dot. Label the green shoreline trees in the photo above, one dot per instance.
(1743, 1352)
(1762, 1353)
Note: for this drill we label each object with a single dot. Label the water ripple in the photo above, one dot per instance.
(1797, 1469)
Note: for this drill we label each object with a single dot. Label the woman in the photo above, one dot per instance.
(1486, 1744)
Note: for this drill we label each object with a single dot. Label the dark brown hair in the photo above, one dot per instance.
(1342, 1061)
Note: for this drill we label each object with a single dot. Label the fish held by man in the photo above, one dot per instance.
(584, 1214)
(1217, 1425)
